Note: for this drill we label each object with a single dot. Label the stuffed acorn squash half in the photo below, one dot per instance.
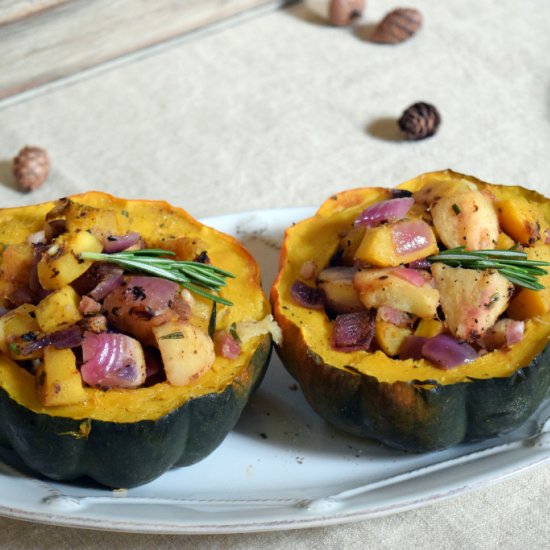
(131, 337)
(420, 316)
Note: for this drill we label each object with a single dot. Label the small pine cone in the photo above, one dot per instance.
(343, 12)
(31, 167)
(419, 121)
(397, 26)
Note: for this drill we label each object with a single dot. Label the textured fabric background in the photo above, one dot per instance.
(283, 111)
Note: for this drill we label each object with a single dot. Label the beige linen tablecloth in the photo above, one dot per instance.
(282, 111)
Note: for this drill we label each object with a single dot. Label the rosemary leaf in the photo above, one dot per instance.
(178, 335)
(195, 276)
(512, 264)
(212, 321)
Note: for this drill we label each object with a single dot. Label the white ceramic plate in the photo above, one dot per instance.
(281, 467)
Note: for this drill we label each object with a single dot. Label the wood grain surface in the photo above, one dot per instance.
(45, 40)
(13, 10)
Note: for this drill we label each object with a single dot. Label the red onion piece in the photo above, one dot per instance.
(353, 331)
(62, 339)
(514, 331)
(34, 345)
(394, 316)
(111, 280)
(411, 348)
(503, 333)
(412, 276)
(112, 360)
(117, 243)
(98, 281)
(139, 304)
(446, 352)
(67, 338)
(154, 370)
(411, 236)
(420, 264)
(307, 296)
(34, 284)
(391, 209)
(226, 345)
(22, 295)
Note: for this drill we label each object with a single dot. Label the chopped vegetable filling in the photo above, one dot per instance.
(446, 275)
(86, 303)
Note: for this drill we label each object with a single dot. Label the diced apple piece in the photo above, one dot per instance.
(340, 294)
(61, 264)
(390, 337)
(58, 381)
(522, 221)
(59, 310)
(18, 327)
(428, 328)
(381, 287)
(200, 310)
(99, 221)
(437, 189)
(466, 219)
(349, 244)
(472, 300)
(397, 243)
(504, 332)
(186, 351)
(17, 261)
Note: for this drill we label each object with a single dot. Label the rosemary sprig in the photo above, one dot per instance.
(513, 264)
(195, 276)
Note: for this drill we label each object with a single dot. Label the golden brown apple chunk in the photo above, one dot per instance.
(471, 300)
(382, 287)
(466, 219)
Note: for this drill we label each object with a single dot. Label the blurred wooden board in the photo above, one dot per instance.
(13, 10)
(44, 40)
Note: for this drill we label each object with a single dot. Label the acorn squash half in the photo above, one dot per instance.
(407, 404)
(126, 437)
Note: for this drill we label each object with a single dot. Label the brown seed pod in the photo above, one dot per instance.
(343, 12)
(397, 26)
(31, 167)
(338, 12)
(419, 121)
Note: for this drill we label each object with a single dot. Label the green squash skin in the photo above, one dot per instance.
(421, 416)
(125, 455)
